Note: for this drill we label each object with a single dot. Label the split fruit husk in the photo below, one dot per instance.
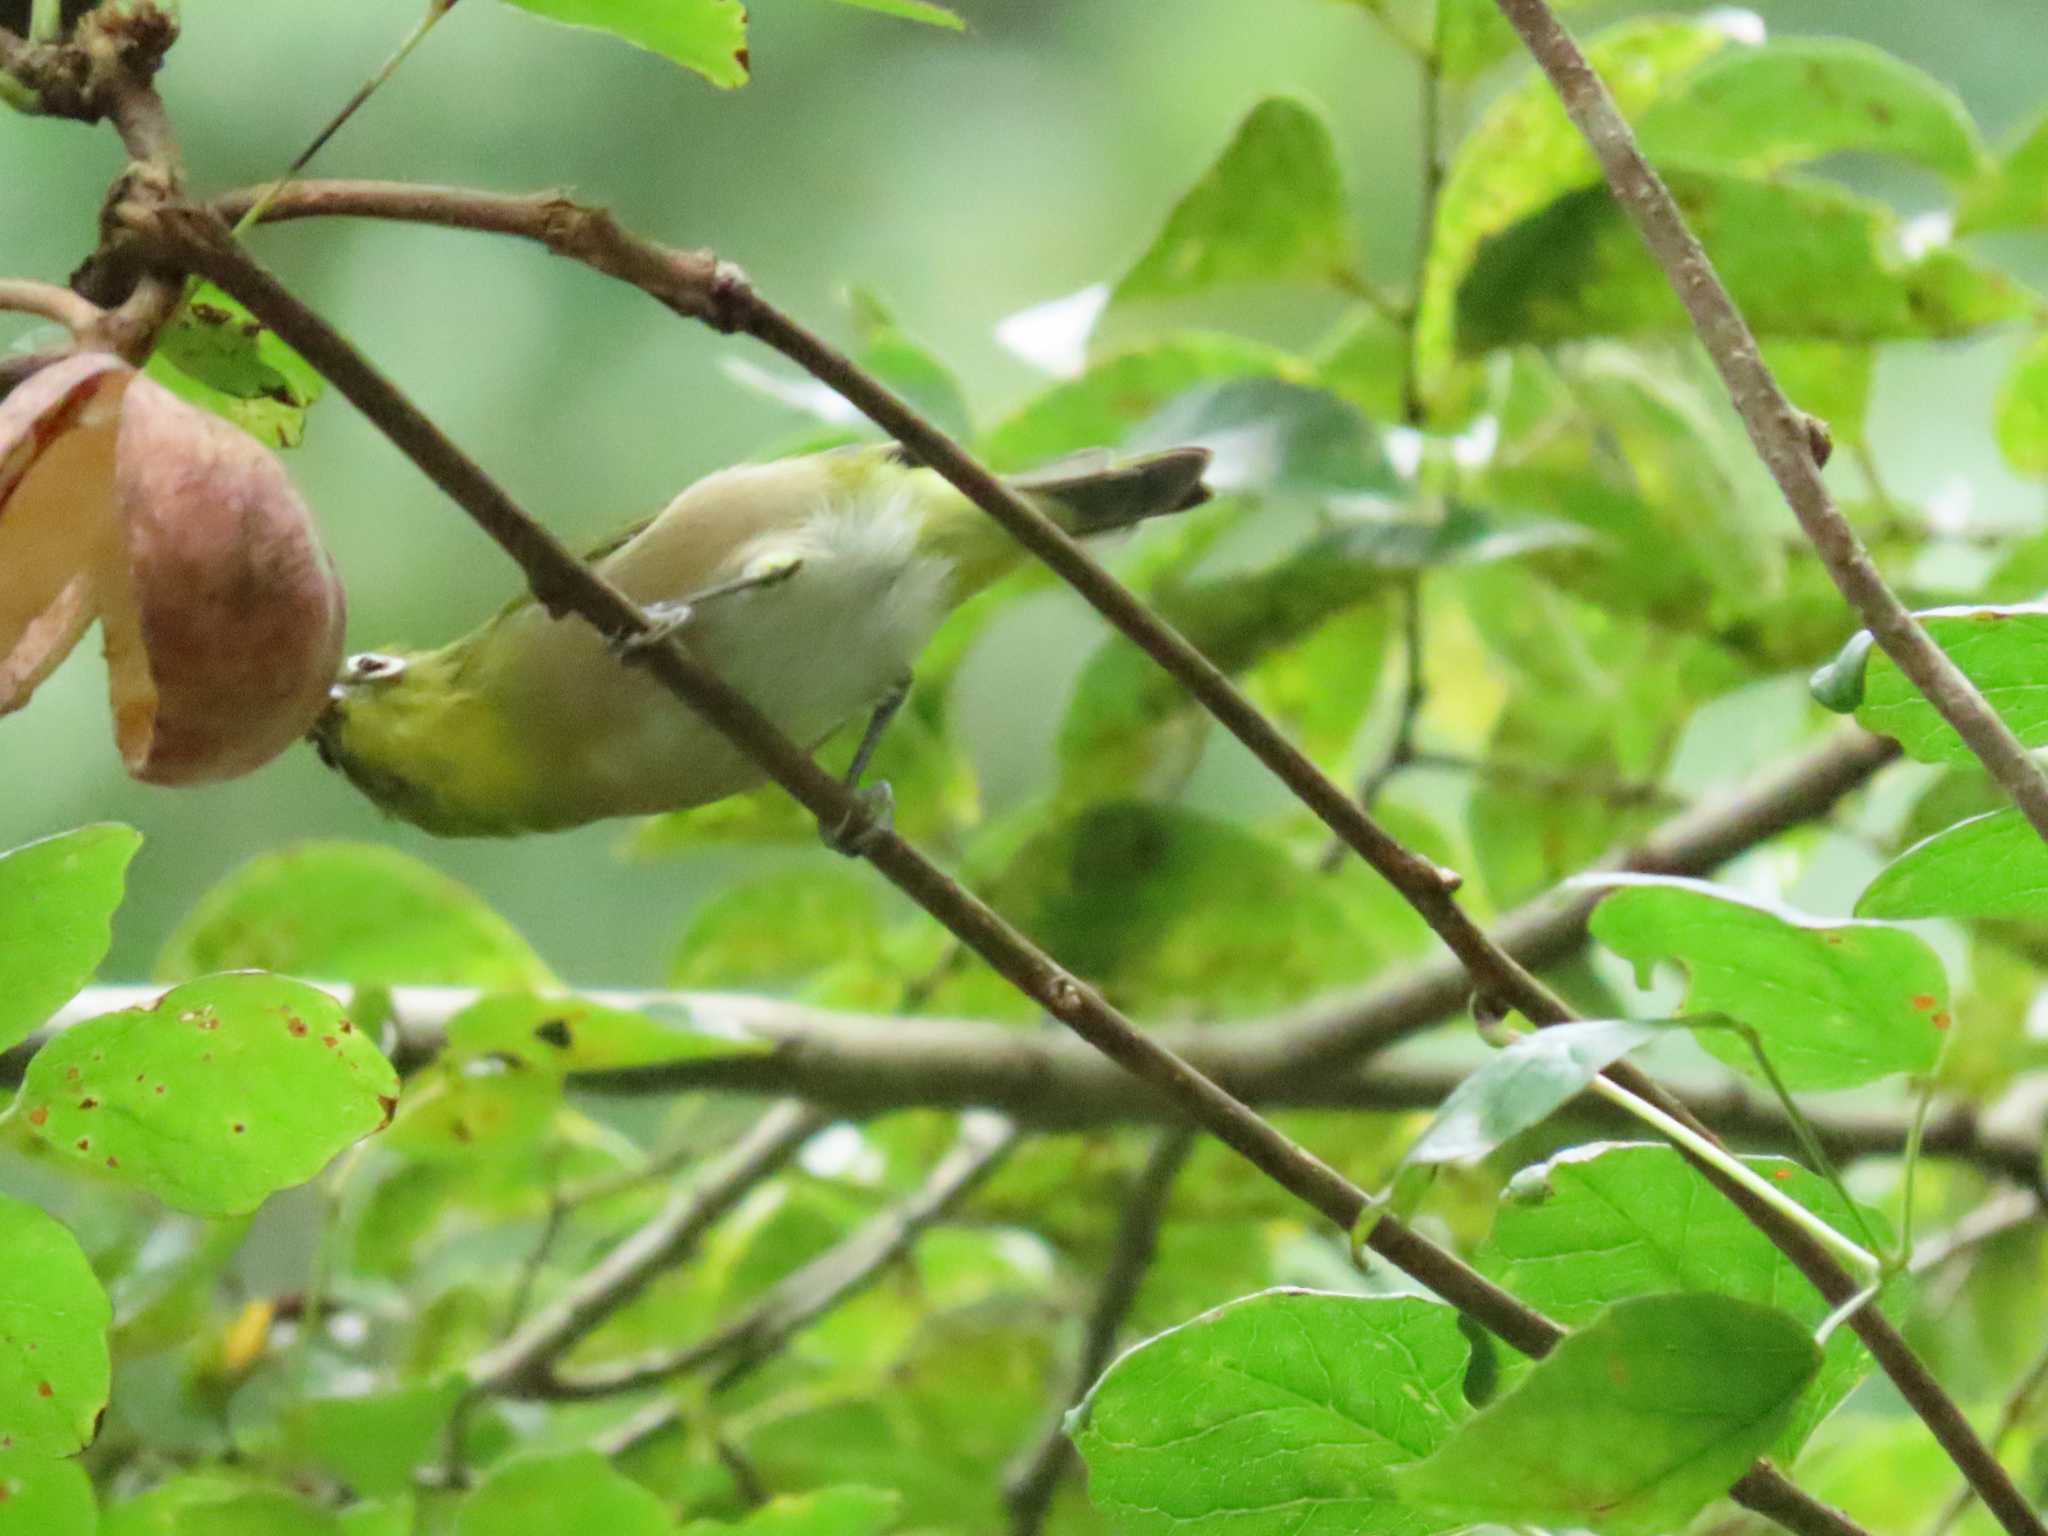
(220, 610)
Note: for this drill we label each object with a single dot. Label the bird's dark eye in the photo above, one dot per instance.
(373, 667)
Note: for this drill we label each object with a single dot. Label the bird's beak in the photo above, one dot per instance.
(326, 732)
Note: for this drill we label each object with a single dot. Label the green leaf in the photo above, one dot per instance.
(226, 1091)
(1828, 379)
(1522, 1086)
(1838, 683)
(708, 36)
(2022, 421)
(1273, 436)
(1364, 361)
(1835, 1004)
(1131, 728)
(1988, 866)
(1097, 409)
(574, 1034)
(821, 934)
(905, 364)
(1632, 1425)
(54, 1317)
(57, 901)
(1789, 102)
(486, 1108)
(41, 1497)
(1270, 210)
(351, 912)
(2014, 193)
(1171, 912)
(566, 1491)
(374, 1443)
(1801, 259)
(846, 1511)
(1601, 1223)
(219, 356)
(253, 1512)
(1275, 1415)
(1472, 35)
(912, 10)
(1523, 153)
(2004, 651)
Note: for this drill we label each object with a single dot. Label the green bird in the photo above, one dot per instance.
(810, 584)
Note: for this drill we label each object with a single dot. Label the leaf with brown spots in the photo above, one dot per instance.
(53, 1337)
(1835, 1004)
(224, 1092)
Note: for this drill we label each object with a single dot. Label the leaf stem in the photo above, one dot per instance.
(436, 9)
(1915, 1133)
(1802, 1128)
(1741, 1173)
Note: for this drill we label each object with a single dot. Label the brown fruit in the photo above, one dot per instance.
(221, 613)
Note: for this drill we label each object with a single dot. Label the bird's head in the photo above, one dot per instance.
(401, 729)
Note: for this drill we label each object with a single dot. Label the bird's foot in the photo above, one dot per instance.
(872, 817)
(666, 620)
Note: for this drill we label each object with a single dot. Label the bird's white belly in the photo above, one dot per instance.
(812, 652)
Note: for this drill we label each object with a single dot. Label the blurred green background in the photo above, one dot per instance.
(959, 177)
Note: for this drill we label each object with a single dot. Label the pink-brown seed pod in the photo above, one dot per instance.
(221, 613)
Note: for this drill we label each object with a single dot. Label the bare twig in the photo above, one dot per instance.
(741, 1346)
(528, 1357)
(78, 315)
(2007, 1211)
(1792, 447)
(1035, 1477)
(199, 242)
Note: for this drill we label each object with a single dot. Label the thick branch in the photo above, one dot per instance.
(863, 1065)
(528, 1357)
(1782, 438)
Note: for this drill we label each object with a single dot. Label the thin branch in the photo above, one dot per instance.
(80, 316)
(1035, 1477)
(741, 1346)
(199, 242)
(528, 1357)
(1793, 447)
(2007, 1211)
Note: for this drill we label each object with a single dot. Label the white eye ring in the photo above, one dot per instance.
(373, 667)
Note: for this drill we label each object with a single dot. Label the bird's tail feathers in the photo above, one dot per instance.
(1095, 492)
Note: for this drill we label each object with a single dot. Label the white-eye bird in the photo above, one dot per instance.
(810, 584)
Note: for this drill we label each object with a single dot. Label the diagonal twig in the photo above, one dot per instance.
(741, 1346)
(528, 1356)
